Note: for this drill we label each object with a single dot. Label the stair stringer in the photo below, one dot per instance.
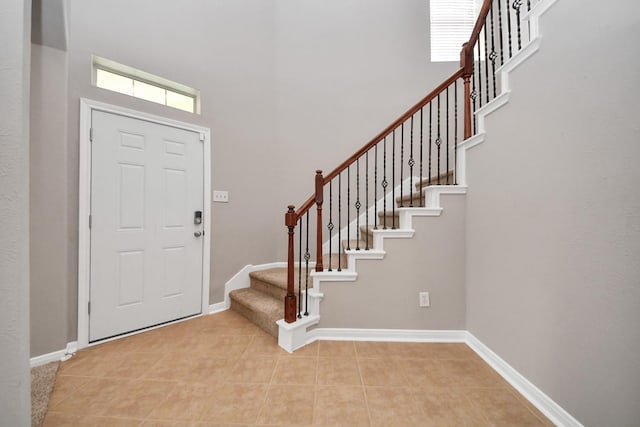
(292, 336)
(351, 231)
(532, 18)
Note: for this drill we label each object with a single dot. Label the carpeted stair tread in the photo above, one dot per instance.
(260, 308)
(353, 244)
(369, 230)
(276, 276)
(388, 214)
(364, 231)
(334, 260)
(445, 178)
(342, 258)
(405, 200)
(393, 217)
(273, 276)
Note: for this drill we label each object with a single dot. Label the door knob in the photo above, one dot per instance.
(197, 233)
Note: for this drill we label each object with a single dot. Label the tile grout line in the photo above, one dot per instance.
(266, 394)
(362, 385)
(315, 389)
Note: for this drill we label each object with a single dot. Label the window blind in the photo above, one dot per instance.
(451, 24)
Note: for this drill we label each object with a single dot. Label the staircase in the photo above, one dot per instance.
(261, 302)
(403, 170)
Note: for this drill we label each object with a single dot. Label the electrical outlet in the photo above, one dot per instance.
(424, 299)
(221, 196)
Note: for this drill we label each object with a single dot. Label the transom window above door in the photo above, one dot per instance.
(120, 78)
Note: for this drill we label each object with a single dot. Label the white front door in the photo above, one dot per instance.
(146, 244)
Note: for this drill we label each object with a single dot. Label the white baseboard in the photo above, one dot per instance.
(395, 335)
(55, 356)
(533, 394)
(217, 307)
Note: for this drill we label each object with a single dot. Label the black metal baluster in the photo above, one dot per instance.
(508, 11)
(516, 5)
(349, 207)
(421, 131)
(340, 221)
(455, 133)
(375, 187)
(447, 145)
(493, 55)
(430, 137)
(500, 31)
(474, 95)
(393, 181)
(411, 163)
(307, 257)
(357, 205)
(479, 75)
(366, 199)
(384, 183)
(401, 162)
(486, 59)
(300, 270)
(330, 225)
(438, 140)
(528, 20)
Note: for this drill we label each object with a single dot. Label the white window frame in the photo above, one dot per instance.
(99, 63)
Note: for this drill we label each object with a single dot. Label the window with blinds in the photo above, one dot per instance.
(451, 24)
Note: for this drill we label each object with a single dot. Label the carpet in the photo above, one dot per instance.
(42, 380)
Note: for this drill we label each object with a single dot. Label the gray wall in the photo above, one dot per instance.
(553, 230)
(15, 404)
(287, 87)
(345, 69)
(385, 294)
(49, 229)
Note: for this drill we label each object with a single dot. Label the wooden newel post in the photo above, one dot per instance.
(290, 221)
(466, 63)
(319, 200)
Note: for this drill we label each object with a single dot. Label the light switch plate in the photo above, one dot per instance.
(220, 196)
(424, 299)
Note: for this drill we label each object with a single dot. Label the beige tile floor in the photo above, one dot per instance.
(222, 370)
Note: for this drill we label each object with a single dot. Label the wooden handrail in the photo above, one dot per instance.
(306, 206)
(466, 65)
(424, 101)
(475, 33)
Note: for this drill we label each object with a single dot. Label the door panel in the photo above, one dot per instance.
(131, 196)
(146, 263)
